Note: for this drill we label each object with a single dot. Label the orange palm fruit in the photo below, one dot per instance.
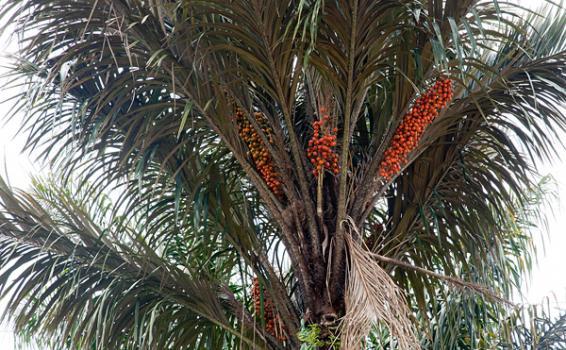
(407, 135)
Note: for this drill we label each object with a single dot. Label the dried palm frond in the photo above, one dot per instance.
(372, 297)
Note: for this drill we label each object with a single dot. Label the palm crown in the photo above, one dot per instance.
(358, 162)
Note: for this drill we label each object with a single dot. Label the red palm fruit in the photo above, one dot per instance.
(273, 323)
(321, 146)
(407, 135)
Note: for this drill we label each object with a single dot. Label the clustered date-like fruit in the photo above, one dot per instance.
(258, 151)
(409, 132)
(321, 146)
(273, 323)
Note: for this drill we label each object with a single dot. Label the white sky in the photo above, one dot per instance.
(547, 276)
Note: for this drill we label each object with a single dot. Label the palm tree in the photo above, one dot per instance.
(261, 174)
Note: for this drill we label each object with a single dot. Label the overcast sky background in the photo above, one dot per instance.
(548, 277)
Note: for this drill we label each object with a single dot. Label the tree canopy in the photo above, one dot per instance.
(274, 174)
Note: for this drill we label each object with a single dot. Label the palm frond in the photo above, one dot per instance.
(93, 281)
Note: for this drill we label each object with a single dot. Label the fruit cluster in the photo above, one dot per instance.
(273, 323)
(258, 151)
(321, 146)
(409, 132)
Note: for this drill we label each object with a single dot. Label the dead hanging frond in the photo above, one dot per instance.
(372, 297)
